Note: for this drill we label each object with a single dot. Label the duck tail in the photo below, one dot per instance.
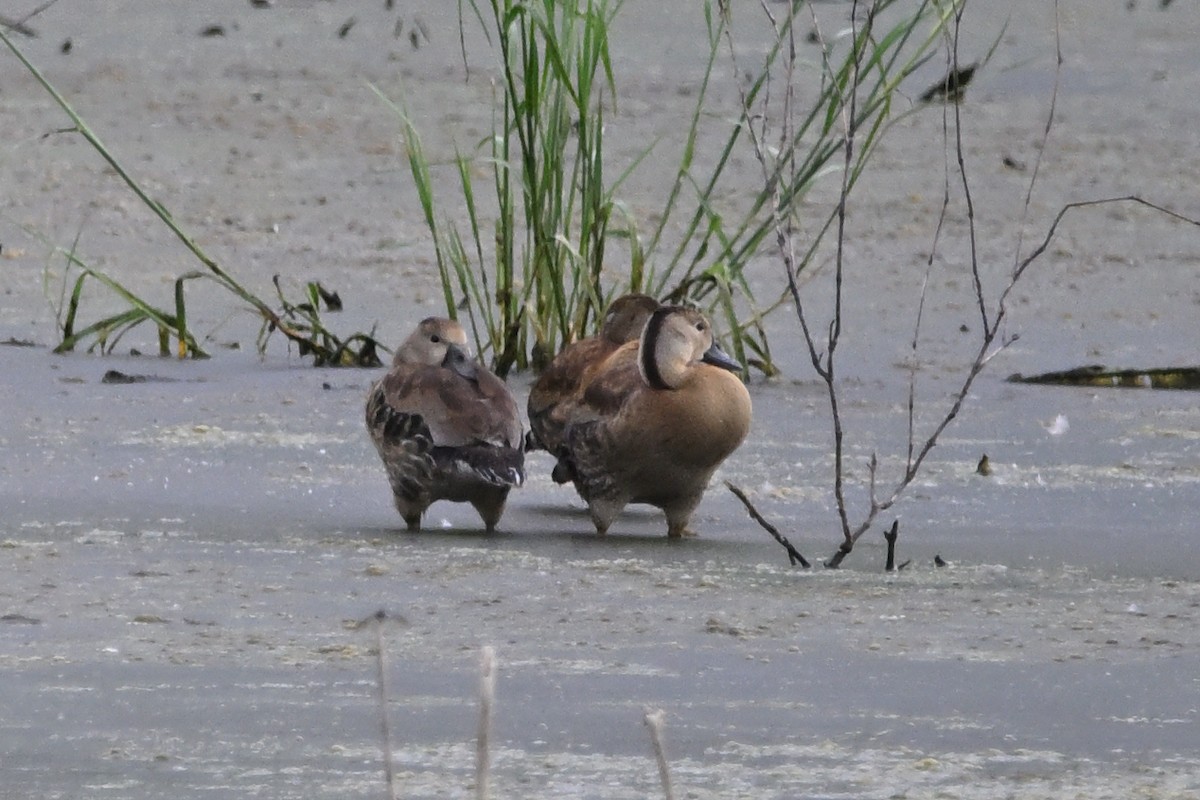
(498, 466)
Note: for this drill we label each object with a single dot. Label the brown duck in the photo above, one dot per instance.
(656, 421)
(560, 386)
(445, 427)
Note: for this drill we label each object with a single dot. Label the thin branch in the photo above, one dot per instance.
(814, 355)
(20, 26)
(1041, 150)
(17, 26)
(794, 555)
(988, 349)
(937, 235)
(835, 326)
(960, 154)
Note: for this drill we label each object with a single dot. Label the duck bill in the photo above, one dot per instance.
(459, 360)
(719, 358)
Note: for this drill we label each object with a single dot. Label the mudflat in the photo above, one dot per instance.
(187, 556)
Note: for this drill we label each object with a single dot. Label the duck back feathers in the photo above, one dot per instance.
(560, 385)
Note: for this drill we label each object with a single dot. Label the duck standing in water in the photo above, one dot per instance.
(655, 422)
(445, 427)
(560, 385)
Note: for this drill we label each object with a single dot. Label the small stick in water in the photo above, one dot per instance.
(794, 556)
(891, 537)
(487, 694)
(379, 618)
(654, 721)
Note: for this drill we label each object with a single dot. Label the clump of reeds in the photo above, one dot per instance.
(534, 278)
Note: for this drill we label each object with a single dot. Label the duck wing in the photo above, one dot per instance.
(587, 435)
(558, 388)
(472, 422)
(458, 410)
(611, 385)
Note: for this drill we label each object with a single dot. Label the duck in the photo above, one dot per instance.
(445, 427)
(655, 422)
(561, 384)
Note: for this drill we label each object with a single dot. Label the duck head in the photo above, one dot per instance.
(626, 317)
(430, 345)
(675, 340)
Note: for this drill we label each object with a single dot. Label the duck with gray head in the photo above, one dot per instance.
(560, 386)
(445, 427)
(656, 421)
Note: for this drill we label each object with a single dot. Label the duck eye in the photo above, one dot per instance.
(435, 339)
(700, 326)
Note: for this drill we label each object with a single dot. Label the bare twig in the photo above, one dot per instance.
(991, 343)
(1041, 150)
(915, 456)
(17, 26)
(654, 721)
(20, 26)
(487, 695)
(793, 554)
(914, 361)
(960, 155)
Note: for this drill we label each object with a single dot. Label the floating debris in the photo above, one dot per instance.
(952, 88)
(1099, 376)
(984, 467)
(1058, 426)
(1013, 163)
(117, 377)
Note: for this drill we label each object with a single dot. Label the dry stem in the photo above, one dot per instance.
(654, 721)
(379, 618)
(487, 695)
(793, 554)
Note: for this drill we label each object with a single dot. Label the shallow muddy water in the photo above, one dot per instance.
(185, 559)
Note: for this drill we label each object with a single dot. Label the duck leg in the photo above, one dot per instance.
(679, 514)
(410, 511)
(490, 505)
(603, 513)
